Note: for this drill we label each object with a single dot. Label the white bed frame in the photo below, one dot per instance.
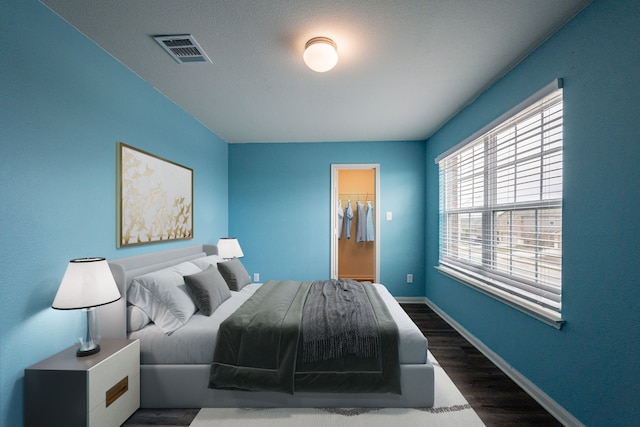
(186, 386)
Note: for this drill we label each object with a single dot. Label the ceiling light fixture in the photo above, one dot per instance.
(320, 54)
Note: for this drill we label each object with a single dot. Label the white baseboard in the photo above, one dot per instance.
(412, 300)
(534, 391)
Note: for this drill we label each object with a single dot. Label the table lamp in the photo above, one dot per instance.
(87, 283)
(228, 247)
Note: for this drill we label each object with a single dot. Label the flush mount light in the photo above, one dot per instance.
(320, 54)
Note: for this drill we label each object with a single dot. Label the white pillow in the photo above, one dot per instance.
(164, 297)
(206, 261)
(136, 318)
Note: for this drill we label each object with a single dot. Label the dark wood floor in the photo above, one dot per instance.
(497, 400)
(494, 396)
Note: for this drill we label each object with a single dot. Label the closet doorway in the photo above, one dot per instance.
(355, 253)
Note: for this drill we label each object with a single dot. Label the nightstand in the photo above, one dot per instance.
(101, 390)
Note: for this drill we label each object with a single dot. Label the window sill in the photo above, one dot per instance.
(546, 316)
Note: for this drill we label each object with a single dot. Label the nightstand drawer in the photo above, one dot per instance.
(114, 387)
(120, 409)
(123, 364)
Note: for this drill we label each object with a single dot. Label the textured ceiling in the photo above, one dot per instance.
(405, 67)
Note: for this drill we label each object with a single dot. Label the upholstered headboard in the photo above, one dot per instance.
(112, 317)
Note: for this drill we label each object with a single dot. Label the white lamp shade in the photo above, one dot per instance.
(320, 54)
(228, 247)
(86, 283)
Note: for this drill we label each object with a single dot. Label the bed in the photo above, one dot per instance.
(175, 372)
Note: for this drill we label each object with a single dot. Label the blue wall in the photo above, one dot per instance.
(64, 109)
(280, 199)
(590, 367)
(65, 103)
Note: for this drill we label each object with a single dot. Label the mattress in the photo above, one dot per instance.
(194, 343)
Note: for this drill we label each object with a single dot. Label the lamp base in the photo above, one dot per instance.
(87, 352)
(90, 343)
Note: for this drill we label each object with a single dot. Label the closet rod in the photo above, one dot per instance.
(355, 194)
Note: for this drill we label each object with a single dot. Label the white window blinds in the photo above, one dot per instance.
(501, 209)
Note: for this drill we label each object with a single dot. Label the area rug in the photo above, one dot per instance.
(450, 409)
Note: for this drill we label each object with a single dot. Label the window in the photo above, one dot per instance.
(501, 208)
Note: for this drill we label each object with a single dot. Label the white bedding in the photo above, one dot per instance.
(194, 343)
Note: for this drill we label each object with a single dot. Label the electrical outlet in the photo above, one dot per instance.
(256, 277)
(409, 278)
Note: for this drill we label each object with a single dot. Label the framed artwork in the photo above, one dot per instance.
(154, 198)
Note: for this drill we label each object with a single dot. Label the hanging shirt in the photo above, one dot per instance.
(348, 216)
(361, 222)
(340, 218)
(370, 228)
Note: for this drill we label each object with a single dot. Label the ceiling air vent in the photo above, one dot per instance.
(183, 48)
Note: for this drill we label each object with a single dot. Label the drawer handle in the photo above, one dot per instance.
(117, 390)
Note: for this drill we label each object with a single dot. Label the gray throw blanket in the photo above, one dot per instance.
(260, 347)
(338, 321)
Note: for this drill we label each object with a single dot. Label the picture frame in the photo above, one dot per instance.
(154, 198)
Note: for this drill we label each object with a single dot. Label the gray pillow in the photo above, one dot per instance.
(234, 274)
(208, 289)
